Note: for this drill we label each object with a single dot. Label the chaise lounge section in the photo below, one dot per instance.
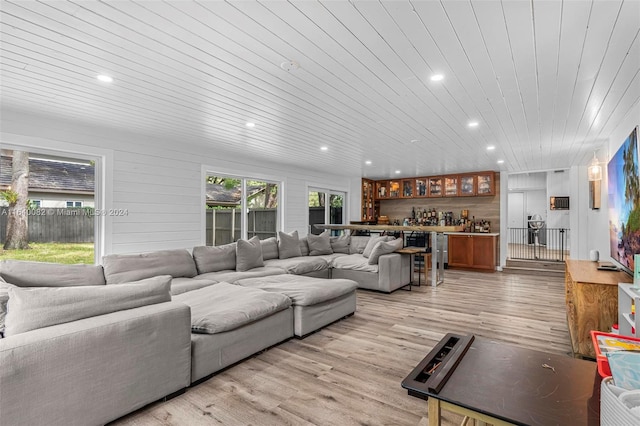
(316, 302)
(230, 323)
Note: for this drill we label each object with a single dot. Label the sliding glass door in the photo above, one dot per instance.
(325, 206)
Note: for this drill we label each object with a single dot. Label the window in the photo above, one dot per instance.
(321, 212)
(56, 234)
(228, 196)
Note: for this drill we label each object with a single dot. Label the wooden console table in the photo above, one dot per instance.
(592, 302)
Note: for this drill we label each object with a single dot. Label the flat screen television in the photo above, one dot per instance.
(623, 174)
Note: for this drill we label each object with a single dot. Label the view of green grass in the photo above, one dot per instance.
(53, 252)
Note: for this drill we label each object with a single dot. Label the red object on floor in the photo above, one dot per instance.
(613, 342)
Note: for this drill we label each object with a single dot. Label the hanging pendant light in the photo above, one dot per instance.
(595, 170)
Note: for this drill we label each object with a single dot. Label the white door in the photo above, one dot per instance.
(515, 216)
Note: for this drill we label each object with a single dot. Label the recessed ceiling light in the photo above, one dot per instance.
(368, 162)
(491, 147)
(437, 77)
(500, 161)
(104, 78)
(397, 172)
(249, 124)
(324, 148)
(473, 124)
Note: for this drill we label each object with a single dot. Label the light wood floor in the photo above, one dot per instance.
(349, 373)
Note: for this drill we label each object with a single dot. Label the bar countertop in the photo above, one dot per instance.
(410, 228)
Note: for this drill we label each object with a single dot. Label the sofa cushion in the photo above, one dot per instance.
(44, 274)
(299, 265)
(371, 244)
(34, 308)
(213, 259)
(225, 307)
(182, 285)
(357, 244)
(249, 254)
(289, 245)
(269, 248)
(340, 244)
(233, 276)
(123, 268)
(384, 247)
(4, 298)
(319, 244)
(355, 262)
(329, 257)
(303, 291)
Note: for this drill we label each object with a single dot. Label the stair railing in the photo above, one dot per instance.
(538, 244)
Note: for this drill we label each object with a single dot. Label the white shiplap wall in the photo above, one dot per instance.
(159, 181)
(593, 225)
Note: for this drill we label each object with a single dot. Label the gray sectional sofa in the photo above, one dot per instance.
(88, 344)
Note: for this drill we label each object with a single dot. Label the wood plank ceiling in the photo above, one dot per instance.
(546, 81)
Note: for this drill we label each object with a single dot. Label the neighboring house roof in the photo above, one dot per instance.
(52, 176)
(218, 195)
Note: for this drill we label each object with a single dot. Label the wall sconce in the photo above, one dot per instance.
(595, 177)
(595, 171)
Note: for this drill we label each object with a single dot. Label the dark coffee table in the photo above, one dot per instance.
(503, 384)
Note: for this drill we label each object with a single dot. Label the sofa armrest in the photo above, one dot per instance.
(393, 271)
(96, 369)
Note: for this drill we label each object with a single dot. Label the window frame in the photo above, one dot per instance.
(244, 219)
(103, 169)
(327, 207)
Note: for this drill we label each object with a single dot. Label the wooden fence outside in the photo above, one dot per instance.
(76, 225)
(261, 222)
(55, 225)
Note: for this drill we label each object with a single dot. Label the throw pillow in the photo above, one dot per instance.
(304, 246)
(248, 254)
(340, 244)
(384, 247)
(269, 248)
(289, 245)
(214, 259)
(37, 307)
(371, 244)
(358, 244)
(319, 244)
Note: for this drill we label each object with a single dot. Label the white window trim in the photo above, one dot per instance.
(207, 170)
(103, 195)
(334, 191)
